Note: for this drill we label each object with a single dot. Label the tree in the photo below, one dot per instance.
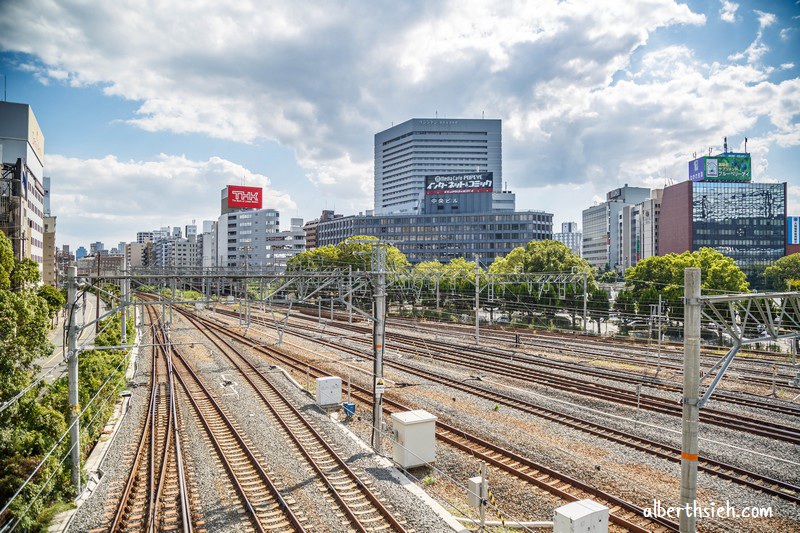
(663, 275)
(598, 306)
(28, 427)
(55, 298)
(546, 256)
(25, 274)
(6, 261)
(355, 252)
(784, 274)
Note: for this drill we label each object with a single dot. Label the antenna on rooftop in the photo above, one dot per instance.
(725, 140)
(745, 145)
(483, 114)
(436, 113)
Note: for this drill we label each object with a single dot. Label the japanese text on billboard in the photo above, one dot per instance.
(459, 183)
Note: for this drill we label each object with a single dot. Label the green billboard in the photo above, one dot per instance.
(728, 167)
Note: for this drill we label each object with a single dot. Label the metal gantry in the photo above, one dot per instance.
(747, 319)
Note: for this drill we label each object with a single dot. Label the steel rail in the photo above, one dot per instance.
(455, 355)
(246, 368)
(720, 469)
(291, 518)
(297, 365)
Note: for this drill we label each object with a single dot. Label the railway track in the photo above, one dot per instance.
(155, 495)
(261, 500)
(474, 357)
(625, 514)
(362, 507)
(611, 349)
(719, 469)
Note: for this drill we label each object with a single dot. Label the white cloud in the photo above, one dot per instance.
(728, 11)
(765, 19)
(757, 48)
(584, 96)
(116, 198)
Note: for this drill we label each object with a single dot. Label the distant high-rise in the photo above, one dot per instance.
(601, 226)
(745, 221)
(405, 154)
(570, 236)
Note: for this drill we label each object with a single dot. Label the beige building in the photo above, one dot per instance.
(49, 264)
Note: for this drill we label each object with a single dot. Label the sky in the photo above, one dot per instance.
(149, 109)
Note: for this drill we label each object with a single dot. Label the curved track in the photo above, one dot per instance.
(262, 501)
(719, 469)
(155, 496)
(623, 513)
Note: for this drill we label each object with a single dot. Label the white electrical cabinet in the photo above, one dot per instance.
(474, 489)
(583, 516)
(329, 390)
(414, 438)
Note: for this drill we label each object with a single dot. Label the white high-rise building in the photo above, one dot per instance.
(406, 153)
(242, 237)
(601, 227)
(570, 236)
(22, 192)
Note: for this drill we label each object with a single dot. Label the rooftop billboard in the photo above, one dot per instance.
(240, 196)
(725, 167)
(459, 183)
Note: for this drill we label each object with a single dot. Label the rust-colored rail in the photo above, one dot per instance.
(623, 513)
(363, 508)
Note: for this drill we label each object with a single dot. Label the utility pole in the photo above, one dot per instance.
(477, 298)
(658, 365)
(585, 298)
(484, 495)
(349, 296)
(72, 377)
(691, 395)
(97, 292)
(378, 336)
(123, 300)
(172, 288)
(437, 291)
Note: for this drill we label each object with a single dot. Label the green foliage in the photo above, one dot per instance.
(609, 276)
(6, 261)
(784, 274)
(33, 424)
(664, 275)
(55, 298)
(28, 427)
(25, 274)
(540, 256)
(549, 256)
(356, 252)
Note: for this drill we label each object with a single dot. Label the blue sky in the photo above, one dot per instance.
(148, 113)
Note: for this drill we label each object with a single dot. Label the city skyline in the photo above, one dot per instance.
(145, 124)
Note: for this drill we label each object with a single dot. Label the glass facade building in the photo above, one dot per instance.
(744, 221)
(444, 237)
